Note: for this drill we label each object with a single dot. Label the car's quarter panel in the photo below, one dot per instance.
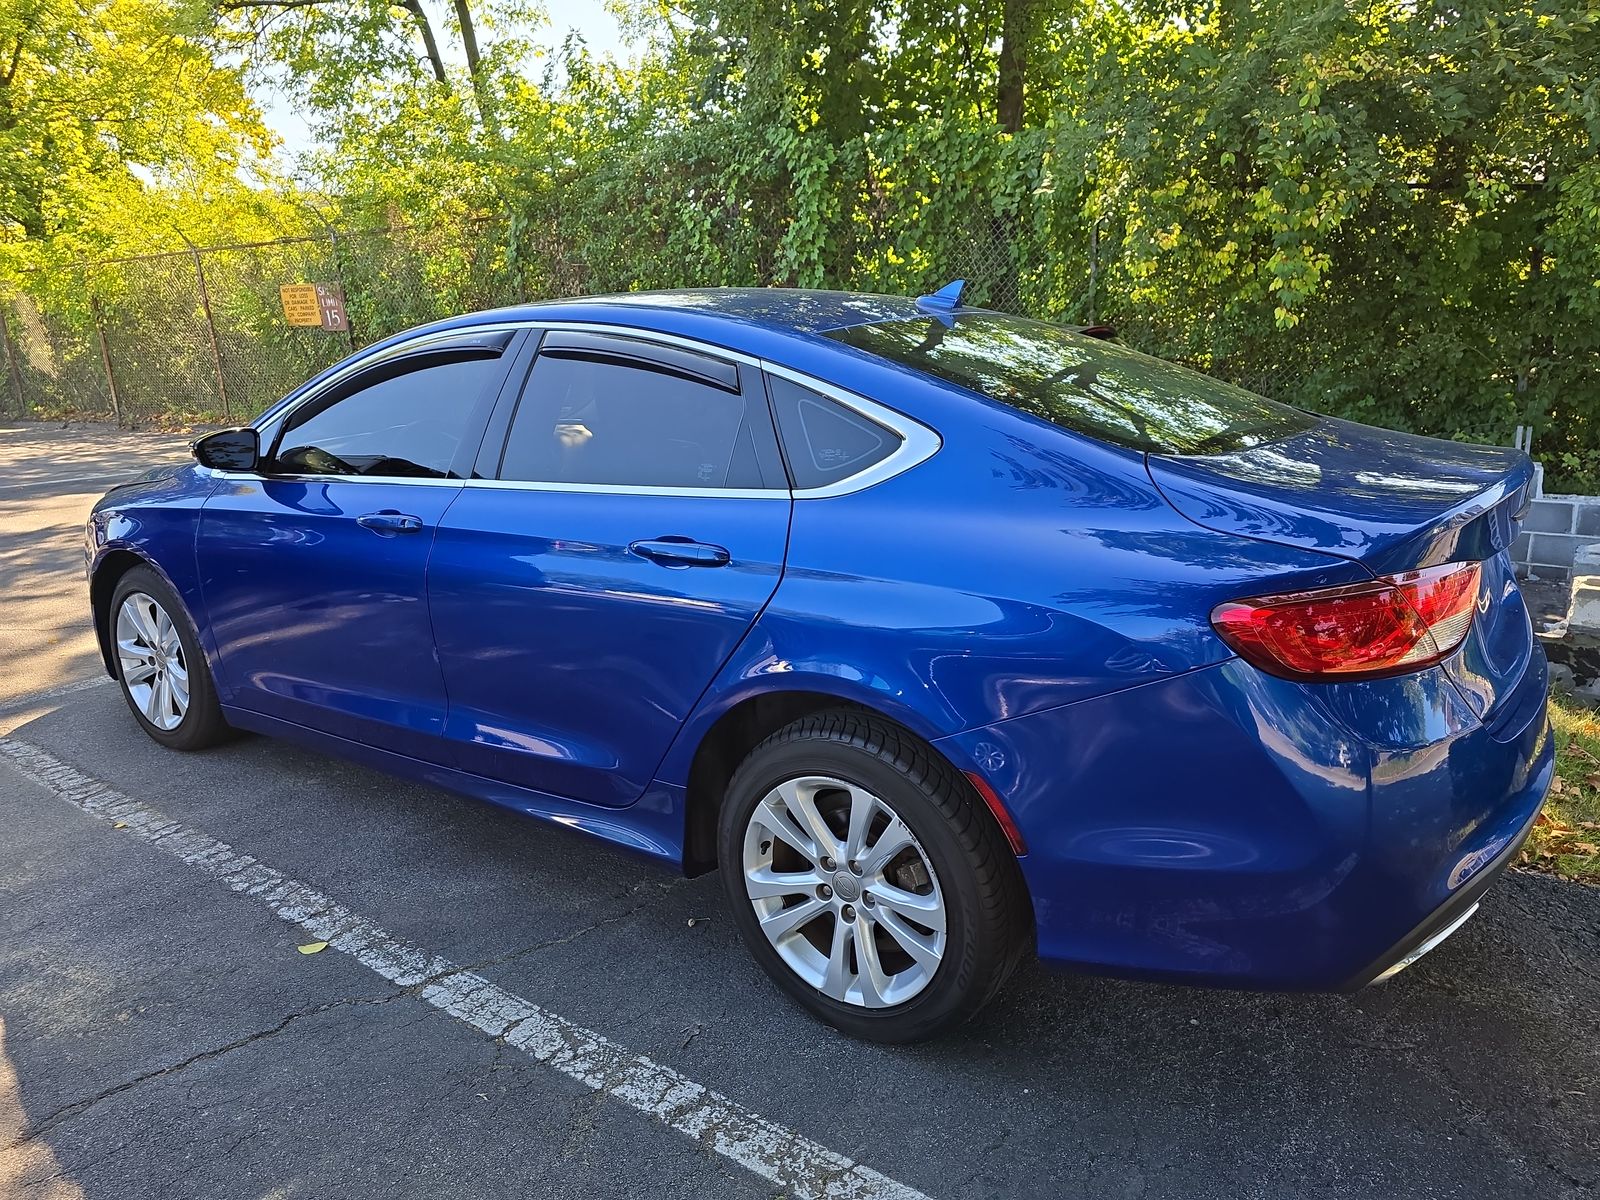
(1018, 568)
(1227, 827)
(1500, 649)
(318, 619)
(571, 661)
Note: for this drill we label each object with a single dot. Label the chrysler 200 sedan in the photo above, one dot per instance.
(948, 636)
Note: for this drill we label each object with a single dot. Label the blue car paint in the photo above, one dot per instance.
(570, 661)
(1032, 602)
(1402, 502)
(337, 634)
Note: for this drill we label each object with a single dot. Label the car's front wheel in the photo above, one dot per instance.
(160, 665)
(867, 880)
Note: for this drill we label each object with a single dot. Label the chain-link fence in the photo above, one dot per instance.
(200, 335)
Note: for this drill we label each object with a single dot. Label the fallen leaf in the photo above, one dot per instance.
(313, 947)
(120, 825)
(1585, 848)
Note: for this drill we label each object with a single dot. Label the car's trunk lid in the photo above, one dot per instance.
(1392, 502)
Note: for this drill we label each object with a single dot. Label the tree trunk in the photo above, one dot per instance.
(469, 43)
(469, 35)
(429, 42)
(1015, 22)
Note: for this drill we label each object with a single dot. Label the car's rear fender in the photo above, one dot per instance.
(1229, 827)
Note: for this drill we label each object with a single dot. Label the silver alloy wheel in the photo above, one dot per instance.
(844, 892)
(150, 655)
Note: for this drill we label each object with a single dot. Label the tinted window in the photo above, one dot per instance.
(1082, 383)
(583, 421)
(824, 440)
(409, 425)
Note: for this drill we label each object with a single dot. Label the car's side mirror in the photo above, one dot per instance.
(228, 450)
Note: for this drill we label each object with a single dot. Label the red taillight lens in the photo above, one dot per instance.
(1395, 624)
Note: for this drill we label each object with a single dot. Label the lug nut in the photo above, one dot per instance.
(849, 913)
(854, 866)
(827, 863)
(825, 892)
(866, 898)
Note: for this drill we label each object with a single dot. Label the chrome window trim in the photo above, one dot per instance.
(918, 443)
(611, 489)
(419, 480)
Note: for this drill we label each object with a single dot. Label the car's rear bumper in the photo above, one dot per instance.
(1227, 828)
(1432, 930)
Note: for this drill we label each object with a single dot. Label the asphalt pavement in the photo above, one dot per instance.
(505, 1008)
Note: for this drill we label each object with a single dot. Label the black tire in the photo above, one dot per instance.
(988, 918)
(202, 724)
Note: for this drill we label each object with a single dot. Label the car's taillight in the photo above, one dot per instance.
(1395, 624)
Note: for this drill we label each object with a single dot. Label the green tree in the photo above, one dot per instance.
(116, 121)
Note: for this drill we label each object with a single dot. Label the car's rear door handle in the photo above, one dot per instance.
(672, 551)
(389, 522)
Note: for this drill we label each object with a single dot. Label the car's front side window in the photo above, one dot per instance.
(592, 421)
(408, 424)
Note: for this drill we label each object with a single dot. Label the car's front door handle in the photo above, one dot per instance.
(389, 522)
(673, 551)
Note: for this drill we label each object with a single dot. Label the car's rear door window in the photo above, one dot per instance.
(589, 418)
(823, 440)
(407, 424)
(1084, 384)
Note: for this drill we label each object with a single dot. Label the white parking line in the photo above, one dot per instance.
(800, 1166)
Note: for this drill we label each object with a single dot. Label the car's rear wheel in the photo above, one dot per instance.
(162, 670)
(867, 880)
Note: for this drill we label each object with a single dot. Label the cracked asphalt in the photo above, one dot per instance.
(161, 1036)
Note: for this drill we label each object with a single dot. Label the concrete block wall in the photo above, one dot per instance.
(1552, 532)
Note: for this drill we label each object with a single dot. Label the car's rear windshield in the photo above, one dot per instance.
(1084, 384)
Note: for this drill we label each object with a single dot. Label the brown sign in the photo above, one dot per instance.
(330, 303)
(300, 305)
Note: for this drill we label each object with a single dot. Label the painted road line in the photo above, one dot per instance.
(800, 1166)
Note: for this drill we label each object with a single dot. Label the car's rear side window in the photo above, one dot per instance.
(1082, 383)
(823, 440)
(589, 421)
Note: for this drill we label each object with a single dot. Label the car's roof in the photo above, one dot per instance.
(784, 325)
(793, 310)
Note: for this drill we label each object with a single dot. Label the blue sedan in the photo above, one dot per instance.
(949, 636)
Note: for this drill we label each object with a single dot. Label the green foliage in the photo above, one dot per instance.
(117, 121)
(1387, 211)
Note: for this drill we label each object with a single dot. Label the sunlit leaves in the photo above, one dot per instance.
(116, 117)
